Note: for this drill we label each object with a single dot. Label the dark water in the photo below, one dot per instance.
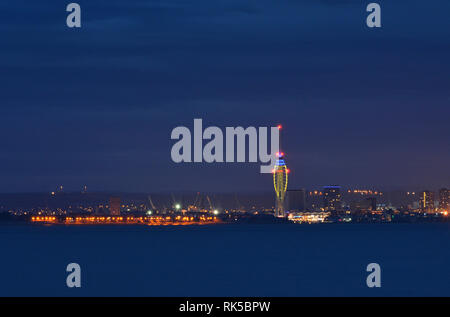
(226, 260)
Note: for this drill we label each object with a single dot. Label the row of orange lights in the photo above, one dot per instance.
(44, 219)
(157, 219)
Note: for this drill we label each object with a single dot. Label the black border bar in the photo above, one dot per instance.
(276, 303)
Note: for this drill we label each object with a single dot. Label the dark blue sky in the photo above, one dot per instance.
(96, 105)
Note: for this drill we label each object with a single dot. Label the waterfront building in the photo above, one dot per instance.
(332, 198)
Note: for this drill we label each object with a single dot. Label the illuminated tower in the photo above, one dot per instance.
(280, 180)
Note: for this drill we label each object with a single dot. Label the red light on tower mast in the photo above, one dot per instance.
(279, 127)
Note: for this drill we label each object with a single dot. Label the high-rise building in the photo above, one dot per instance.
(114, 206)
(295, 200)
(332, 198)
(444, 199)
(426, 201)
(280, 180)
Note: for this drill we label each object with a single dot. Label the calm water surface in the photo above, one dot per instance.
(226, 260)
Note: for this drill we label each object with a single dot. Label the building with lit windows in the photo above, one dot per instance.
(332, 198)
(444, 199)
(426, 201)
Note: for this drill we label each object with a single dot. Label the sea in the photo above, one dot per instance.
(225, 259)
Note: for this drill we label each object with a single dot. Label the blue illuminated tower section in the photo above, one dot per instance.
(280, 180)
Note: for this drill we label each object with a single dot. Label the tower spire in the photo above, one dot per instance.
(279, 137)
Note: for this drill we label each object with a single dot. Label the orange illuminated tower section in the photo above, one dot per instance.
(280, 180)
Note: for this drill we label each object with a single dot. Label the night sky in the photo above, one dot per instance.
(96, 106)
